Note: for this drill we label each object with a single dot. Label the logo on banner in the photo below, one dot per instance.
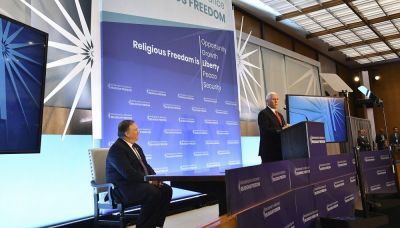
(234, 162)
(207, 121)
(231, 103)
(156, 92)
(390, 183)
(157, 118)
(281, 175)
(139, 103)
(332, 206)
(185, 96)
(209, 100)
(375, 187)
(188, 167)
(338, 183)
(222, 112)
(384, 157)
(352, 179)
(232, 123)
(200, 132)
(369, 158)
(381, 172)
(187, 142)
(173, 155)
(145, 131)
(212, 142)
(232, 142)
(317, 139)
(123, 88)
(213, 164)
(148, 156)
(290, 225)
(341, 163)
(223, 152)
(310, 216)
(200, 153)
(324, 166)
(349, 198)
(157, 143)
(161, 170)
(119, 116)
(198, 109)
(320, 189)
(248, 184)
(186, 120)
(271, 209)
(172, 106)
(301, 170)
(172, 131)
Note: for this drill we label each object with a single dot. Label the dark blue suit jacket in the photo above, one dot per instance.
(122, 165)
(270, 138)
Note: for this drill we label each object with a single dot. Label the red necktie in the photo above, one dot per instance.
(279, 118)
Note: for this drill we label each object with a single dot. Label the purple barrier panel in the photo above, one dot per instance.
(380, 180)
(316, 136)
(306, 207)
(321, 169)
(374, 159)
(278, 212)
(299, 171)
(322, 194)
(343, 190)
(391, 185)
(345, 163)
(347, 199)
(250, 185)
(389, 181)
(324, 168)
(352, 179)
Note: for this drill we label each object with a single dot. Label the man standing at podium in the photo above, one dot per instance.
(270, 123)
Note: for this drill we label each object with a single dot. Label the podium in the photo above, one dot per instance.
(303, 140)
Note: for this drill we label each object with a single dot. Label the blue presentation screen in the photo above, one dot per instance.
(23, 56)
(328, 110)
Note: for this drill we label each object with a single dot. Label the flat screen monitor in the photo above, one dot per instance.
(23, 57)
(328, 110)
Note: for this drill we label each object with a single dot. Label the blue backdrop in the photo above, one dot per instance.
(179, 85)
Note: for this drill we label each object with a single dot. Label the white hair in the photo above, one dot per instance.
(269, 95)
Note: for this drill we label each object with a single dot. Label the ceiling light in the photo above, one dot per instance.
(356, 79)
(377, 77)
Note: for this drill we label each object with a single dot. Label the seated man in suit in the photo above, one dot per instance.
(270, 123)
(362, 140)
(126, 167)
(381, 139)
(395, 137)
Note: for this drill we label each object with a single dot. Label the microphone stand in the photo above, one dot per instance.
(384, 119)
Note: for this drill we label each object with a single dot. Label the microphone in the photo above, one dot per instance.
(296, 113)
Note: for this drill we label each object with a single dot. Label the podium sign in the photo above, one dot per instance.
(303, 140)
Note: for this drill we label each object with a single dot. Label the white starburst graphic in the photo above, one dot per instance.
(244, 72)
(308, 77)
(82, 50)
